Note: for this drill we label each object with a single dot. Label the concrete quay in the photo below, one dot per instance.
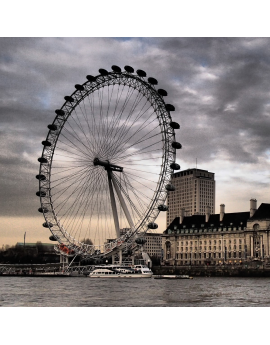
(215, 271)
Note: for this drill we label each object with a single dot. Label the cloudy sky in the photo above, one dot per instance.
(220, 88)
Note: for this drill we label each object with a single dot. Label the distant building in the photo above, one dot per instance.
(194, 190)
(153, 245)
(219, 238)
(46, 247)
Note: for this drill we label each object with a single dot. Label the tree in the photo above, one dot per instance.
(87, 241)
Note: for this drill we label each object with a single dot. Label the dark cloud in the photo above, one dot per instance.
(219, 86)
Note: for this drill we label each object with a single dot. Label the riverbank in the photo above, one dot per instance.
(215, 271)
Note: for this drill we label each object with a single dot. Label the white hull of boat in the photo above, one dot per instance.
(114, 271)
(117, 276)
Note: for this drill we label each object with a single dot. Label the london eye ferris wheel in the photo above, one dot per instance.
(106, 163)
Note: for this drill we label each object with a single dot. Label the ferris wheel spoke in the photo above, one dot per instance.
(145, 186)
(78, 141)
(131, 204)
(77, 184)
(141, 140)
(67, 179)
(69, 213)
(144, 171)
(141, 151)
(65, 189)
(75, 221)
(142, 126)
(122, 109)
(80, 126)
(142, 201)
(123, 129)
(79, 215)
(65, 169)
(140, 192)
(73, 153)
(121, 134)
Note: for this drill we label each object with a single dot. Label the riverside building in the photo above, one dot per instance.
(153, 244)
(230, 238)
(194, 190)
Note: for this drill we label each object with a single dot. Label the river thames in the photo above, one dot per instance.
(87, 292)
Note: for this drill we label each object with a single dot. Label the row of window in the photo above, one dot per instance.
(190, 243)
(191, 231)
(209, 248)
(208, 255)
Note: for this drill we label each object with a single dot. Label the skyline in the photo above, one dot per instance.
(219, 87)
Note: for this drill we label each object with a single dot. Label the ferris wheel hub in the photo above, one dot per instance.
(107, 165)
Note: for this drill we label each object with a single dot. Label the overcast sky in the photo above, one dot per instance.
(220, 88)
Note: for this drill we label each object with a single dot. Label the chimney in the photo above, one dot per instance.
(182, 214)
(222, 212)
(253, 206)
(207, 213)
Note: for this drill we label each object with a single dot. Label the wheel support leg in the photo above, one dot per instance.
(122, 202)
(113, 203)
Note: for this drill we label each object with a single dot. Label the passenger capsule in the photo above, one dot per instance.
(41, 177)
(170, 187)
(129, 69)
(152, 81)
(42, 160)
(103, 71)
(116, 69)
(43, 210)
(47, 225)
(41, 193)
(140, 240)
(90, 78)
(46, 143)
(162, 92)
(69, 99)
(169, 107)
(163, 208)
(175, 166)
(175, 125)
(152, 226)
(79, 87)
(60, 112)
(52, 238)
(141, 73)
(176, 145)
(52, 127)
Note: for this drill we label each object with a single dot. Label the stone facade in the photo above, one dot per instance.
(231, 238)
(153, 245)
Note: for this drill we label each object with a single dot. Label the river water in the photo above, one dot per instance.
(87, 292)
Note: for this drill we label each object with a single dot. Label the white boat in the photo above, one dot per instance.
(117, 271)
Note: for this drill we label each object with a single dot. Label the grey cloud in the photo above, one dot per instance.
(219, 86)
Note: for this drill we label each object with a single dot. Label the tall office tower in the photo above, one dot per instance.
(194, 190)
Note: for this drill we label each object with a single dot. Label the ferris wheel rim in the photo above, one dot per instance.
(67, 108)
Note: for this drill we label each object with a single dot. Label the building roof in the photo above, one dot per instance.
(262, 212)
